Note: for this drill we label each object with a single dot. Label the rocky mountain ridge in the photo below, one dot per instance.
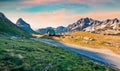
(109, 26)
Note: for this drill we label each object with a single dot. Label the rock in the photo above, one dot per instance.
(20, 56)
(88, 39)
(13, 37)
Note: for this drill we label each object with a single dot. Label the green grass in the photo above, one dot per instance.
(28, 55)
(8, 27)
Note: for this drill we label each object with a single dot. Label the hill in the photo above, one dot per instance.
(6, 26)
(43, 31)
(58, 30)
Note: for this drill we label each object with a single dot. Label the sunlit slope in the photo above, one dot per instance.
(92, 40)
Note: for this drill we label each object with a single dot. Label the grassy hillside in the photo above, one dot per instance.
(6, 26)
(27, 55)
(92, 40)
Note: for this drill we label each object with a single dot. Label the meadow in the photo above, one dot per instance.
(23, 54)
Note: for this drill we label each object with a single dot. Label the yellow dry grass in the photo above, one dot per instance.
(98, 40)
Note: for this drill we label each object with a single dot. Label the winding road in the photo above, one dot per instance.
(101, 55)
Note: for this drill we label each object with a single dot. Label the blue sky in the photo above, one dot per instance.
(45, 13)
(77, 8)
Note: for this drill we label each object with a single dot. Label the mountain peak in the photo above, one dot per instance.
(87, 18)
(21, 22)
(116, 20)
(20, 19)
(25, 26)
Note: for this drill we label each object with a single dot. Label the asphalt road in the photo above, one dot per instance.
(101, 55)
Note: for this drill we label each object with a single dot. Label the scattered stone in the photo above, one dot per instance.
(7, 50)
(89, 39)
(20, 56)
(13, 37)
(21, 40)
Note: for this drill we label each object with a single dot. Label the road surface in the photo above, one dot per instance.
(101, 55)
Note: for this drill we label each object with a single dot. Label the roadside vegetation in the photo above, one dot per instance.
(21, 54)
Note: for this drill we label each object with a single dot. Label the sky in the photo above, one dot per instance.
(54, 13)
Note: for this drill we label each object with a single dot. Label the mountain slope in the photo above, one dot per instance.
(6, 26)
(61, 29)
(58, 30)
(82, 24)
(23, 25)
(44, 30)
(109, 26)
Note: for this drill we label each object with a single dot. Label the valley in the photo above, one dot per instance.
(28, 55)
(22, 49)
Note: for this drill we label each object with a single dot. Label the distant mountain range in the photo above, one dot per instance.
(58, 30)
(43, 30)
(25, 26)
(109, 26)
(81, 24)
(7, 27)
